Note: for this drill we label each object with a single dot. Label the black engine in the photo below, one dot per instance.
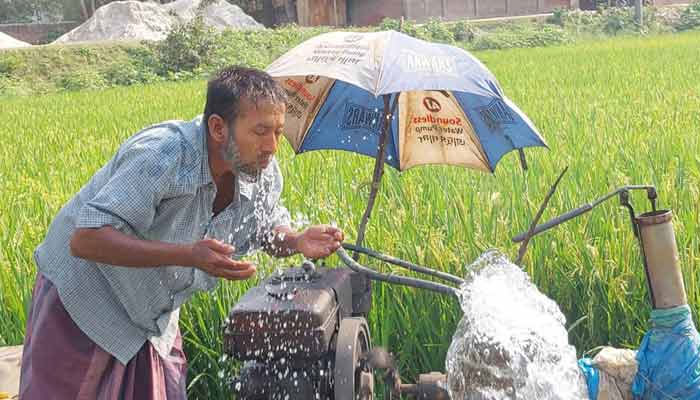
(302, 335)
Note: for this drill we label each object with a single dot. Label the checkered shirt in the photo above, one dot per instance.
(157, 187)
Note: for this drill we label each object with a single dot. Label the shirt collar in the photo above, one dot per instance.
(205, 171)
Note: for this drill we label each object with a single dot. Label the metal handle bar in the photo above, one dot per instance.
(651, 194)
(405, 264)
(395, 279)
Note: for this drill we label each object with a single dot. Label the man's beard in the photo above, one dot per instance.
(232, 155)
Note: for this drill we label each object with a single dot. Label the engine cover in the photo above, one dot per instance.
(292, 316)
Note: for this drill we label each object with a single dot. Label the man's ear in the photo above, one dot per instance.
(217, 129)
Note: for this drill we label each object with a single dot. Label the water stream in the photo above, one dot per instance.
(511, 342)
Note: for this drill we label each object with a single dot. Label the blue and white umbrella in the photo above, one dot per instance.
(401, 100)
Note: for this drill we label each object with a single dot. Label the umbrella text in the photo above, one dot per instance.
(359, 117)
(444, 140)
(437, 120)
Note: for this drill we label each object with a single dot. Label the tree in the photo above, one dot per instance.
(29, 10)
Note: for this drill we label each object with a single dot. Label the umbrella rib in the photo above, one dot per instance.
(315, 115)
(380, 74)
(378, 168)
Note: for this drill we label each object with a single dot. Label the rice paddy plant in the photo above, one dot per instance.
(623, 111)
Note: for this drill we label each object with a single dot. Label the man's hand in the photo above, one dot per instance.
(319, 241)
(213, 257)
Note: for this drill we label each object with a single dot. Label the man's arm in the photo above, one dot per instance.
(317, 241)
(108, 245)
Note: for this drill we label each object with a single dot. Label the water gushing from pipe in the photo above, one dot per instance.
(511, 342)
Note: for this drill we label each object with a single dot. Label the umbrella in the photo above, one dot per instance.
(403, 101)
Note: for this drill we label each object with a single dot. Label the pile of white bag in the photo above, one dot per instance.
(135, 20)
(8, 42)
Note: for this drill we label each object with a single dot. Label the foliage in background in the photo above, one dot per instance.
(616, 20)
(193, 51)
(610, 21)
(480, 37)
(690, 17)
(187, 47)
(19, 11)
(57, 68)
(521, 35)
(616, 112)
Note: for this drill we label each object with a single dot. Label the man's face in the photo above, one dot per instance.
(254, 136)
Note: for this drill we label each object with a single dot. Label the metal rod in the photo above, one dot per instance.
(378, 169)
(523, 160)
(554, 222)
(652, 297)
(530, 232)
(405, 264)
(578, 211)
(395, 279)
(625, 202)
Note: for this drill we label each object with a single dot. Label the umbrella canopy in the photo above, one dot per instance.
(401, 100)
(449, 107)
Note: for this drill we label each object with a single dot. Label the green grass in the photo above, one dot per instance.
(616, 112)
(44, 69)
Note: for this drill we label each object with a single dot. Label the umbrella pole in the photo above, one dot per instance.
(377, 176)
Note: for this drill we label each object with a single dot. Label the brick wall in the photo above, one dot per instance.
(591, 4)
(369, 12)
(37, 33)
(366, 12)
(669, 2)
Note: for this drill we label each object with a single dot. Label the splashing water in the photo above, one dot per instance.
(265, 215)
(511, 342)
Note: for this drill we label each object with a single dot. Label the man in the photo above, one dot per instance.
(173, 211)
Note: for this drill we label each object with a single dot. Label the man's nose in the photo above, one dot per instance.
(270, 142)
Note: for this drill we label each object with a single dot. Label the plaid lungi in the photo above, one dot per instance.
(61, 362)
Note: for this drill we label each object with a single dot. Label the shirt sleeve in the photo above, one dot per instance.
(137, 182)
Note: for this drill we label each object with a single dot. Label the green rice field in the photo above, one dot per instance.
(616, 112)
